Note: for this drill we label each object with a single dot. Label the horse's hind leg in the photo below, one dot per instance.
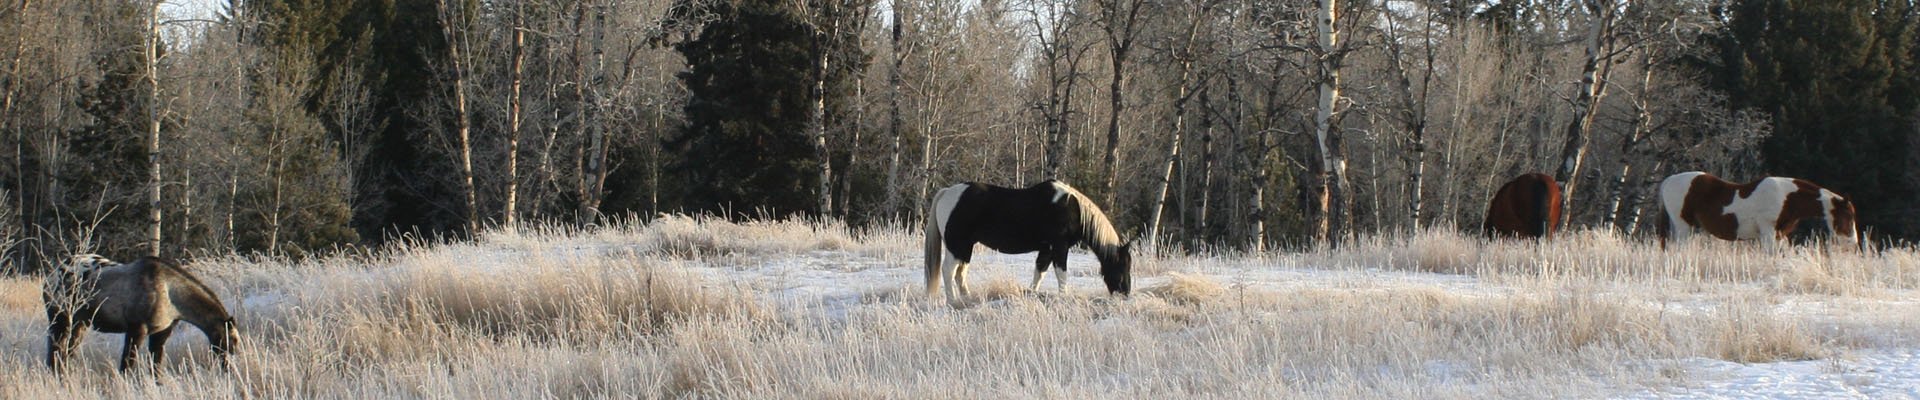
(947, 269)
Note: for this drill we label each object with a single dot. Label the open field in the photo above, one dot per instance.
(689, 308)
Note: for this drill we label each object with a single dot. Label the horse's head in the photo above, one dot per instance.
(1116, 267)
(224, 337)
(1843, 221)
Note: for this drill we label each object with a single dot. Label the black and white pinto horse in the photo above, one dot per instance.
(1049, 217)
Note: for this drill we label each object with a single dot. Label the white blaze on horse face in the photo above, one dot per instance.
(1673, 196)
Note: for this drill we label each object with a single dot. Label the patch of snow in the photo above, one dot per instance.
(1867, 374)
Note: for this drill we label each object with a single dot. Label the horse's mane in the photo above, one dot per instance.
(159, 265)
(1095, 228)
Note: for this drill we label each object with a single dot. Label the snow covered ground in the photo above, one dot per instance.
(1887, 366)
(707, 309)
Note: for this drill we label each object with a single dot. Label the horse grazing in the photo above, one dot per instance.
(1527, 206)
(1048, 217)
(1765, 209)
(144, 299)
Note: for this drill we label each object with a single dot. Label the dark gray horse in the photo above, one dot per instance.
(144, 299)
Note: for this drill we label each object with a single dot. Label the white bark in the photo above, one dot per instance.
(154, 110)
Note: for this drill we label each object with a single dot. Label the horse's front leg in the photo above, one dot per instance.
(1042, 260)
(157, 344)
(60, 341)
(1060, 268)
(136, 337)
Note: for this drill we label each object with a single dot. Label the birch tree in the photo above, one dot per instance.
(1119, 21)
(154, 110)
(1183, 51)
(1596, 69)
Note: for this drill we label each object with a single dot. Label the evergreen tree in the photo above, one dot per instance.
(400, 184)
(745, 148)
(105, 177)
(1837, 77)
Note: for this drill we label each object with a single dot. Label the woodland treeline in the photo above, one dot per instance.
(287, 127)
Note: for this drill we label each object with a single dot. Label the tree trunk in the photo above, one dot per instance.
(853, 145)
(509, 218)
(275, 173)
(24, 208)
(1330, 180)
(154, 110)
(1173, 147)
(1414, 114)
(594, 157)
(462, 123)
(1593, 87)
(1120, 17)
(825, 188)
(1642, 125)
(894, 120)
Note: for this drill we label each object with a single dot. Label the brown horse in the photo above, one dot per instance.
(1527, 206)
(144, 300)
(1765, 209)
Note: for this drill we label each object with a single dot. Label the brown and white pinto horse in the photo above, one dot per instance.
(1527, 206)
(1764, 210)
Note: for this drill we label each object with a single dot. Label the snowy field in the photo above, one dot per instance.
(687, 308)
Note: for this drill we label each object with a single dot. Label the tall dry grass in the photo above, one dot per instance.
(659, 310)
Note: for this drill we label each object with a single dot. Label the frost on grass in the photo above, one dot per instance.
(685, 307)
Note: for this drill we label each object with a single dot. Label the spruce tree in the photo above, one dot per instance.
(745, 148)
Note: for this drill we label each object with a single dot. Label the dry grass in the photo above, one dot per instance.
(648, 311)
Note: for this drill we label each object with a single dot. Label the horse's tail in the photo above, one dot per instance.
(1665, 227)
(1543, 203)
(933, 244)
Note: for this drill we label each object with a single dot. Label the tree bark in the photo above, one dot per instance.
(449, 18)
(1594, 72)
(1642, 125)
(1120, 29)
(1330, 180)
(819, 132)
(509, 217)
(894, 120)
(594, 156)
(154, 110)
(24, 208)
(1183, 93)
(1414, 112)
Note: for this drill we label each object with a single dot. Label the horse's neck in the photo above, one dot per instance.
(196, 303)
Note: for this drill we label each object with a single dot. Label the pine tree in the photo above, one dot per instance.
(745, 148)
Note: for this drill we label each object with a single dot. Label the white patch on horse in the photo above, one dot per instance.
(1759, 211)
(1060, 191)
(943, 203)
(1673, 196)
(1826, 210)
